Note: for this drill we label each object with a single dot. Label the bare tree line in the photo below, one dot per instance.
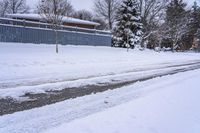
(107, 9)
(13, 6)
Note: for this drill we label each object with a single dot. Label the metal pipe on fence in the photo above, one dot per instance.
(38, 24)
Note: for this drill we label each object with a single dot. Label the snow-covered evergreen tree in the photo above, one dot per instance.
(128, 31)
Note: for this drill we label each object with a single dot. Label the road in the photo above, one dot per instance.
(43, 118)
(10, 105)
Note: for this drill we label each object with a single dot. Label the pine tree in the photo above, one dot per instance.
(176, 21)
(194, 24)
(128, 31)
(198, 34)
(196, 41)
(175, 11)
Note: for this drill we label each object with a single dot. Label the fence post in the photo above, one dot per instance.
(76, 35)
(94, 39)
(24, 23)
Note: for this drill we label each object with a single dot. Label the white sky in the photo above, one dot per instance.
(85, 4)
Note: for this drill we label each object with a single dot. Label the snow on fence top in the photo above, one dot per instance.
(65, 19)
(39, 24)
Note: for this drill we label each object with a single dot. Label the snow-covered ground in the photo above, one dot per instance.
(168, 104)
(28, 68)
(173, 107)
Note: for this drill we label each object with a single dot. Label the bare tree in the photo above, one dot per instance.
(83, 14)
(69, 9)
(4, 6)
(152, 14)
(13, 6)
(18, 6)
(106, 9)
(53, 12)
(152, 10)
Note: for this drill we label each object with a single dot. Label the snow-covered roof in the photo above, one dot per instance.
(65, 19)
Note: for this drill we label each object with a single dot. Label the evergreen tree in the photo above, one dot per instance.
(196, 41)
(198, 34)
(194, 24)
(128, 31)
(176, 21)
(175, 11)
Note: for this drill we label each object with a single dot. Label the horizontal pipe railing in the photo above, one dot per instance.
(25, 23)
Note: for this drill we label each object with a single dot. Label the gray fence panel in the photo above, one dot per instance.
(47, 36)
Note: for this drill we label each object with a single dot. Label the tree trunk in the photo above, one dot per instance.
(160, 41)
(173, 47)
(109, 16)
(56, 40)
(142, 43)
(109, 19)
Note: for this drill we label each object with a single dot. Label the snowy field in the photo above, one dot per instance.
(168, 104)
(29, 68)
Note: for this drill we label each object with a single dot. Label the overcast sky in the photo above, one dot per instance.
(85, 4)
(77, 4)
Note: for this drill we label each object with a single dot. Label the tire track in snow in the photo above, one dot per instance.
(10, 105)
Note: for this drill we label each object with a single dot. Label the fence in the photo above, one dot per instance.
(35, 32)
